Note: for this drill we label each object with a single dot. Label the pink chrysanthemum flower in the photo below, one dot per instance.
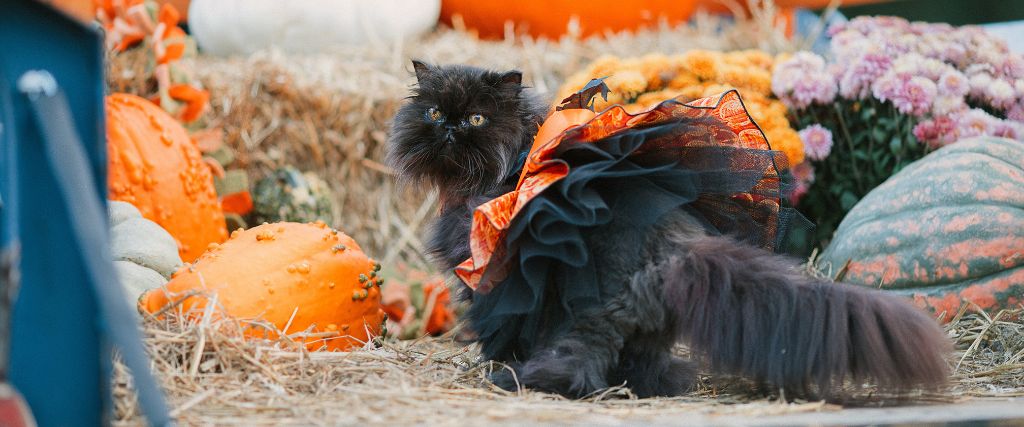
(918, 65)
(953, 52)
(1000, 94)
(925, 70)
(936, 132)
(803, 174)
(953, 83)
(817, 141)
(1007, 129)
(855, 82)
(837, 28)
(1016, 112)
(1012, 67)
(974, 122)
(948, 104)
(803, 80)
(910, 94)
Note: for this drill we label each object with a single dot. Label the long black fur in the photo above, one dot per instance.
(478, 160)
(742, 310)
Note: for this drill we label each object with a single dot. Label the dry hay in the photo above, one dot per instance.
(330, 113)
(990, 362)
(213, 376)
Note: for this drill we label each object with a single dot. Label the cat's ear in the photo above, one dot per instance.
(422, 69)
(514, 77)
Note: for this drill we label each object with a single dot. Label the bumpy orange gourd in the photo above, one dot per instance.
(155, 166)
(274, 270)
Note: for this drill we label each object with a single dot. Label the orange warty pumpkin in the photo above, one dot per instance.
(155, 166)
(550, 19)
(305, 277)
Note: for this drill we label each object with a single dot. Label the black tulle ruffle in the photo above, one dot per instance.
(637, 176)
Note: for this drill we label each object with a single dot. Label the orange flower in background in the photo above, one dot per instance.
(171, 51)
(168, 38)
(702, 64)
(126, 22)
(239, 203)
(169, 15)
(195, 100)
(131, 23)
(440, 318)
(417, 303)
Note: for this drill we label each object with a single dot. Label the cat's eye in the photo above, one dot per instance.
(477, 120)
(434, 115)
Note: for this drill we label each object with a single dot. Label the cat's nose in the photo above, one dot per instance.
(449, 135)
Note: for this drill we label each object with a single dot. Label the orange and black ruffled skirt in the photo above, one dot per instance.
(531, 268)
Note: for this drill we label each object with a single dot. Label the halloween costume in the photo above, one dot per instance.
(706, 157)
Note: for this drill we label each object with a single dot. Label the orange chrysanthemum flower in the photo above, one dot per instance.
(641, 83)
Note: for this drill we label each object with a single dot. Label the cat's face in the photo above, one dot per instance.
(462, 130)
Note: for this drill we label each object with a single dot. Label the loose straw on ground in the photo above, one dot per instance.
(435, 381)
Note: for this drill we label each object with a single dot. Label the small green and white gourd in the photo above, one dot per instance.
(145, 255)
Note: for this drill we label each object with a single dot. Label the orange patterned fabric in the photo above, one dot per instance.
(542, 169)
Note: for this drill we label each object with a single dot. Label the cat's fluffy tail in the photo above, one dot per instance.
(753, 313)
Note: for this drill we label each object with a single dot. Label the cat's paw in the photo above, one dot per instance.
(570, 375)
(678, 379)
(656, 374)
(505, 378)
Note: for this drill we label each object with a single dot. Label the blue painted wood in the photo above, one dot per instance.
(69, 311)
(55, 339)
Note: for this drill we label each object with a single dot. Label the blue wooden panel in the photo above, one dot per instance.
(56, 351)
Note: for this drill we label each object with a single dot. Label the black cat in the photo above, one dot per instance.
(741, 309)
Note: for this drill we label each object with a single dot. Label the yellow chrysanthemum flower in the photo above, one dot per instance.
(713, 89)
(646, 81)
(650, 99)
(733, 75)
(629, 83)
(655, 68)
(756, 58)
(787, 141)
(693, 92)
(759, 80)
(702, 63)
(683, 80)
(604, 66)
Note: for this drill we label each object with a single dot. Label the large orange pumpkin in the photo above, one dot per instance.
(155, 166)
(550, 18)
(303, 277)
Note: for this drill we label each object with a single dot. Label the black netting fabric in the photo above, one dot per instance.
(635, 175)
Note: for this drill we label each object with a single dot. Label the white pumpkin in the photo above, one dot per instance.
(145, 255)
(227, 27)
